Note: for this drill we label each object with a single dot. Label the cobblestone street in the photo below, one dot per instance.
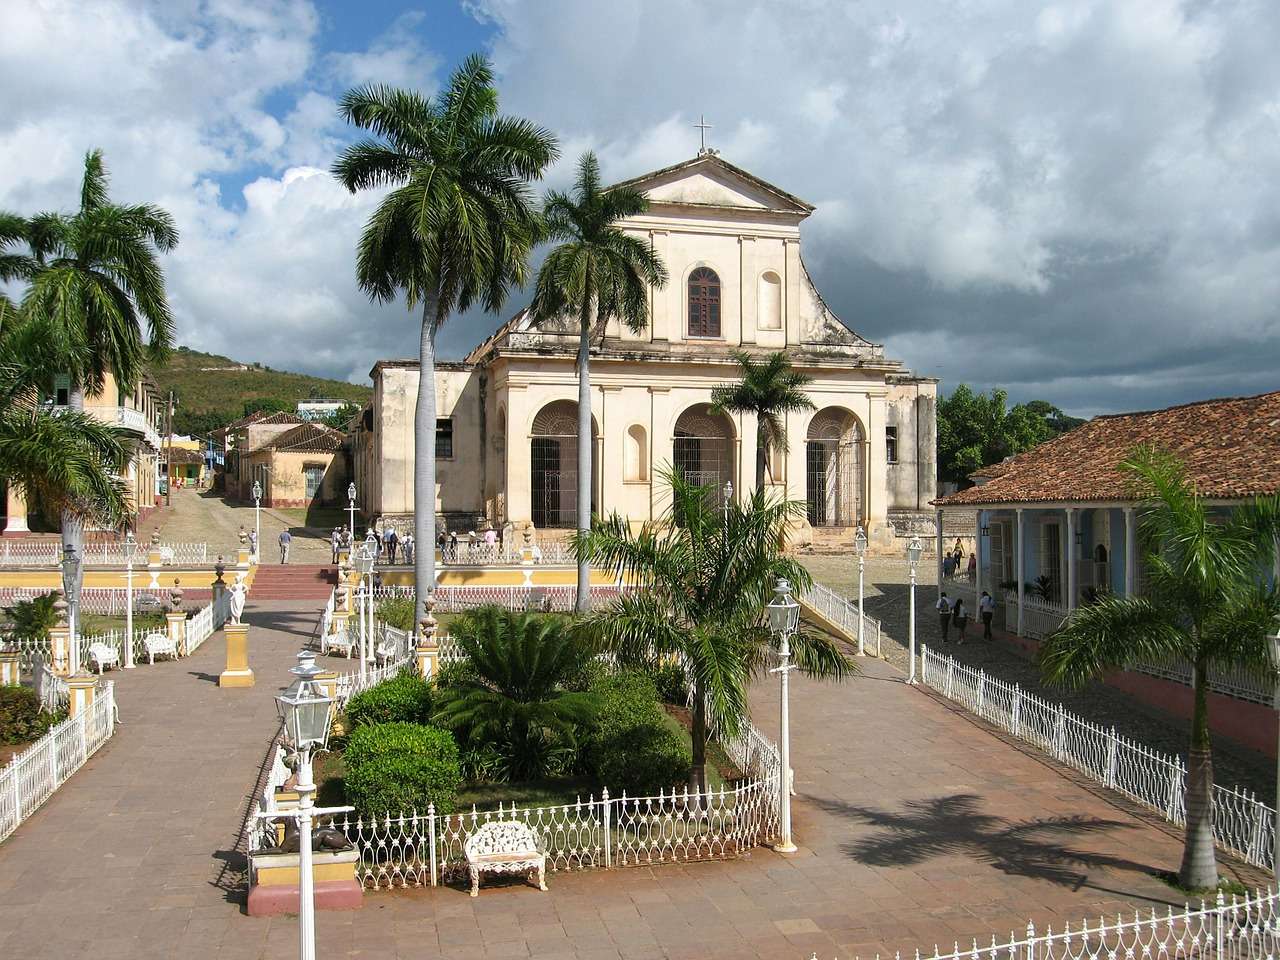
(886, 591)
(205, 516)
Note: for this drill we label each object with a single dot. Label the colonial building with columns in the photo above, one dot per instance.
(507, 428)
(1058, 524)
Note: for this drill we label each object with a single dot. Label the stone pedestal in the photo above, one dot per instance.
(8, 668)
(80, 691)
(237, 673)
(177, 622)
(338, 622)
(329, 681)
(273, 879)
(60, 649)
(242, 558)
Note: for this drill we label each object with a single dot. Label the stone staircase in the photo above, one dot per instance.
(276, 581)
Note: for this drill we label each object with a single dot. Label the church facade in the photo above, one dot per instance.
(507, 428)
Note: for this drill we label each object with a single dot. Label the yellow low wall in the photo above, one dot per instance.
(195, 578)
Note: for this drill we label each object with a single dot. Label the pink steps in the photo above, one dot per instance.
(292, 582)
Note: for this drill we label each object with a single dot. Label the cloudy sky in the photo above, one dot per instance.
(1076, 201)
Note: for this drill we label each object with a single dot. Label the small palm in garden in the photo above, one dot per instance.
(32, 619)
(702, 577)
(513, 697)
(1204, 599)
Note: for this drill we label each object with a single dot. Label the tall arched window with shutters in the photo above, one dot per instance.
(704, 303)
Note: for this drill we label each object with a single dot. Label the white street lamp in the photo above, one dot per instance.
(130, 550)
(306, 712)
(257, 515)
(914, 549)
(860, 548)
(1273, 648)
(351, 508)
(363, 563)
(784, 618)
(71, 590)
(728, 497)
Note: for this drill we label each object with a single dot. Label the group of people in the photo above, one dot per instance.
(387, 546)
(953, 561)
(954, 613)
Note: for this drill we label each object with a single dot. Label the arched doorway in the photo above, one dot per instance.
(833, 468)
(553, 459)
(702, 449)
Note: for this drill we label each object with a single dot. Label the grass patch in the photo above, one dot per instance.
(91, 623)
(530, 793)
(1227, 885)
(721, 771)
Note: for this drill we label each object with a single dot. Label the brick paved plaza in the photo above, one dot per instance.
(915, 824)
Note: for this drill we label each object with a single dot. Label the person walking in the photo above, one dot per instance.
(286, 541)
(960, 617)
(406, 548)
(943, 606)
(973, 569)
(986, 610)
(948, 565)
(389, 543)
(253, 544)
(335, 543)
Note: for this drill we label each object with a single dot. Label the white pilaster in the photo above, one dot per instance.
(1071, 558)
(1130, 554)
(940, 547)
(1021, 568)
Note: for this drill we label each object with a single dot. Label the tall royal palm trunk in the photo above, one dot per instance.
(1199, 870)
(582, 602)
(424, 462)
(73, 527)
(762, 456)
(698, 735)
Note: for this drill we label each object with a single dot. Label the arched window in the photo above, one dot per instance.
(636, 458)
(704, 303)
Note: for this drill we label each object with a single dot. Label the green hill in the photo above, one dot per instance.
(212, 390)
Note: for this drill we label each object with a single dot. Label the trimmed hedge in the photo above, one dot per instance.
(631, 747)
(397, 612)
(405, 698)
(401, 767)
(21, 718)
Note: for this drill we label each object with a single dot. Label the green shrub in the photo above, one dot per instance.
(672, 684)
(405, 698)
(401, 767)
(21, 718)
(631, 746)
(396, 612)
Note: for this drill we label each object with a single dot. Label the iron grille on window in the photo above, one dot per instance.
(891, 444)
(444, 438)
(704, 303)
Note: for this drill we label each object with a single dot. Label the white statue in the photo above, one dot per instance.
(237, 601)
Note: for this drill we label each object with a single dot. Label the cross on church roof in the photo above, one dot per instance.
(702, 127)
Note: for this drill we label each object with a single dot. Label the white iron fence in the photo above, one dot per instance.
(1246, 928)
(33, 775)
(109, 601)
(481, 554)
(111, 553)
(546, 598)
(1242, 824)
(844, 613)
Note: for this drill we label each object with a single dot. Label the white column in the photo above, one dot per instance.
(938, 558)
(1130, 554)
(1071, 558)
(977, 553)
(1021, 571)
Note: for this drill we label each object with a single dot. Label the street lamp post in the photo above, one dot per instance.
(130, 549)
(363, 562)
(257, 516)
(71, 590)
(351, 509)
(784, 618)
(914, 549)
(306, 713)
(728, 497)
(1274, 651)
(860, 548)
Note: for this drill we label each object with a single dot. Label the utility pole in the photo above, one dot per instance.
(168, 455)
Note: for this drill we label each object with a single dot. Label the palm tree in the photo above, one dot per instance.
(769, 388)
(596, 274)
(1205, 600)
(95, 283)
(512, 696)
(454, 230)
(701, 578)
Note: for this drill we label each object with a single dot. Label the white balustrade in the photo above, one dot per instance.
(844, 613)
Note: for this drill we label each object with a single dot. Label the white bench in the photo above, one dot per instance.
(104, 656)
(341, 641)
(159, 645)
(505, 846)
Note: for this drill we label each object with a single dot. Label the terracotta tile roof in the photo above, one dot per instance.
(306, 438)
(185, 455)
(1231, 449)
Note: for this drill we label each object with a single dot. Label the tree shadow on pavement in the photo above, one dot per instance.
(956, 825)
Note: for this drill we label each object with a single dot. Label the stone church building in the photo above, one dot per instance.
(507, 425)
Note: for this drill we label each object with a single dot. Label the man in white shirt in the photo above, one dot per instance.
(987, 608)
(943, 607)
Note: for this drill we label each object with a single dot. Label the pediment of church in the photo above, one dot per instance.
(709, 181)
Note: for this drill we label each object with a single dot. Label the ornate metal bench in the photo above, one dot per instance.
(505, 846)
(159, 645)
(104, 656)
